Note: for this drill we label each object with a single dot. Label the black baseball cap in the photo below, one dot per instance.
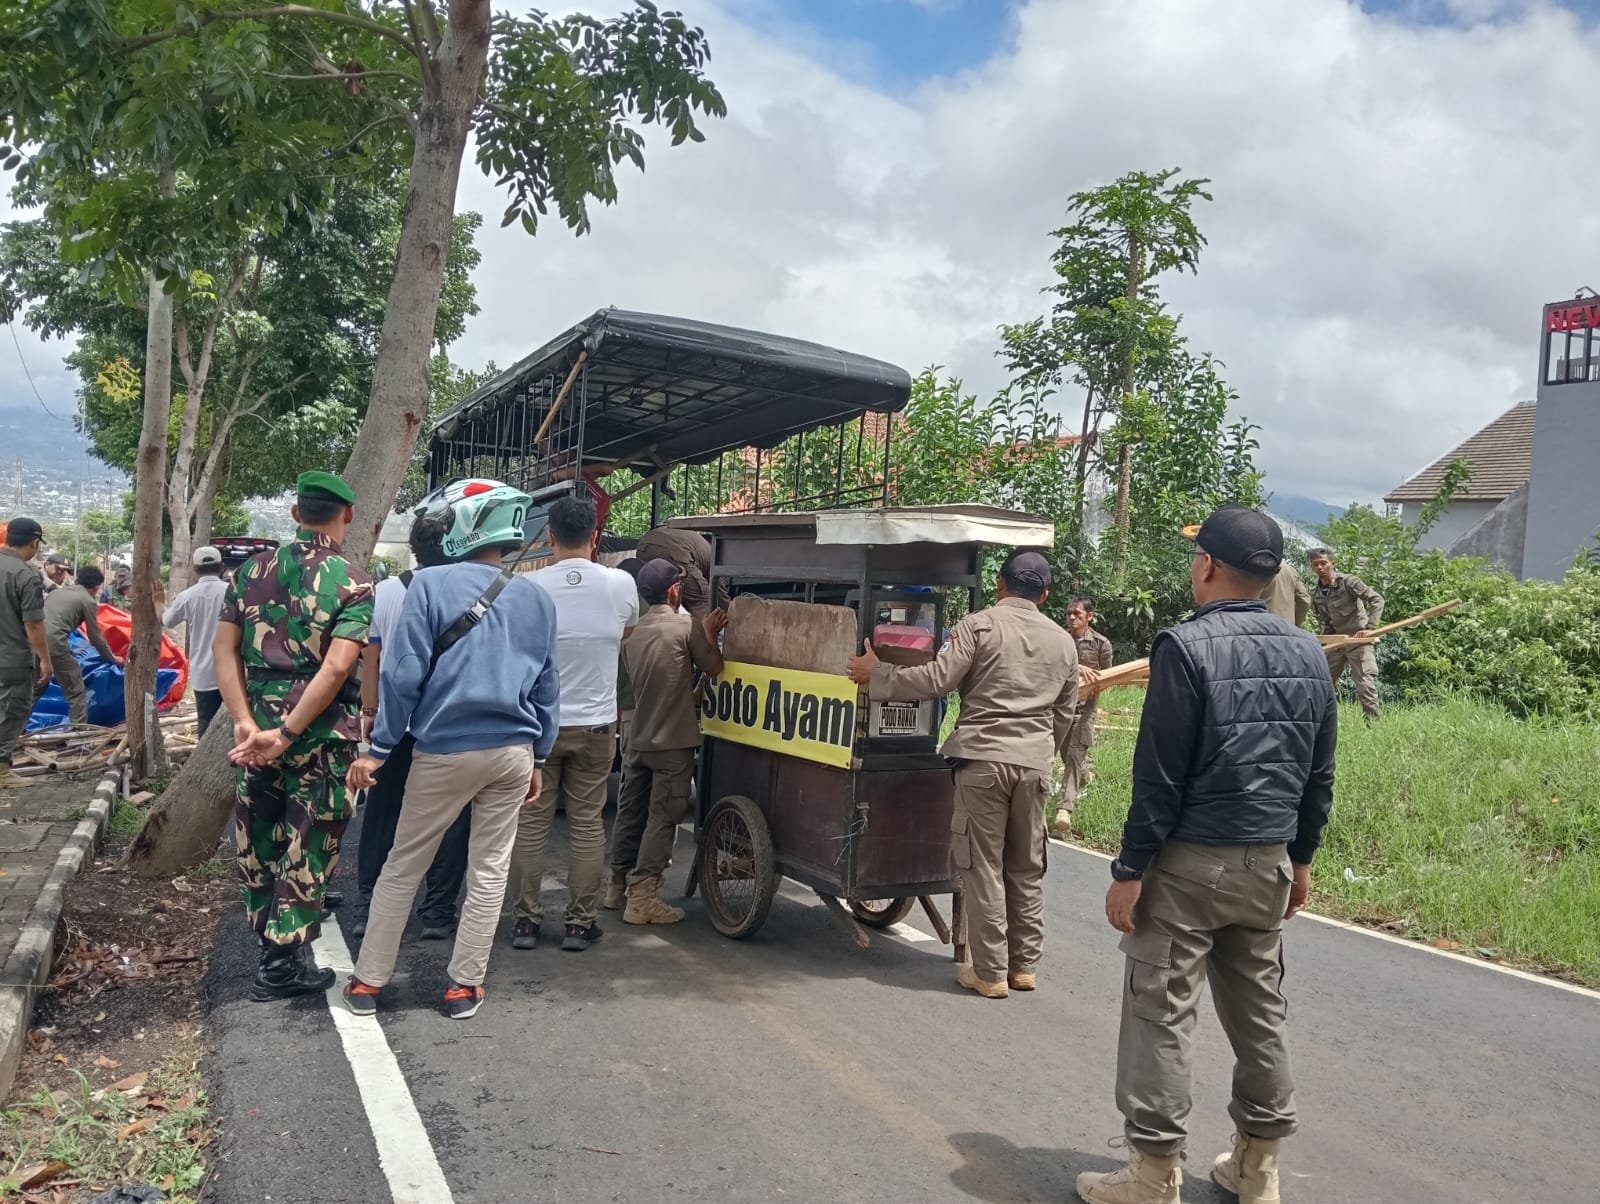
(657, 577)
(1240, 538)
(22, 531)
(1028, 568)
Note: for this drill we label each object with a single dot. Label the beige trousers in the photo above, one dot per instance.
(1075, 762)
(1206, 912)
(494, 782)
(576, 770)
(1362, 662)
(997, 839)
(668, 774)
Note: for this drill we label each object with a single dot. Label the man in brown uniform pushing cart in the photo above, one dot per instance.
(1017, 673)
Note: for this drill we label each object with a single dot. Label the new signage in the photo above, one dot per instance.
(1573, 317)
(808, 715)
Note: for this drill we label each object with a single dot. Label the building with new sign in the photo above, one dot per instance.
(1533, 501)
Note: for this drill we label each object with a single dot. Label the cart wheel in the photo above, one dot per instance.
(737, 876)
(882, 913)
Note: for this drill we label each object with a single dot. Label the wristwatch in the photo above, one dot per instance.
(289, 733)
(1125, 873)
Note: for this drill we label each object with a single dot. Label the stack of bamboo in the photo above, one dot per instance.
(1137, 673)
(83, 747)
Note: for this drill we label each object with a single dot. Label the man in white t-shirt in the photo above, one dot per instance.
(595, 608)
(198, 608)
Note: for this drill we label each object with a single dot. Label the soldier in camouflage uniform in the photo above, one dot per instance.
(1094, 654)
(291, 631)
(1347, 605)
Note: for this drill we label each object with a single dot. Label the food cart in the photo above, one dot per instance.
(789, 442)
(800, 775)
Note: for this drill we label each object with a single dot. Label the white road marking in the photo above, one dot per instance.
(1414, 946)
(404, 1151)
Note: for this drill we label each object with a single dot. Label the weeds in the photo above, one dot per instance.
(126, 820)
(149, 1129)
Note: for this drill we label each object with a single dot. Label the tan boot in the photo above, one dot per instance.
(1250, 1170)
(644, 908)
(1061, 825)
(1146, 1179)
(616, 897)
(10, 779)
(1022, 980)
(967, 977)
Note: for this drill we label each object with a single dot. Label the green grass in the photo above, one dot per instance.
(88, 1130)
(1474, 828)
(126, 820)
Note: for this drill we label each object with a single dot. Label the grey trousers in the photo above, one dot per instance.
(16, 704)
(1206, 913)
(666, 776)
(69, 676)
(1075, 761)
(1362, 662)
(997, 839)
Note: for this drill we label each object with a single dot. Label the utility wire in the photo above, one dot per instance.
(16, 342)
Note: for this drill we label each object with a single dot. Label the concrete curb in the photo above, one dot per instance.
(28, 967)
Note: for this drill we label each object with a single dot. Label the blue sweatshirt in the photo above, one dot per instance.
(496, 687)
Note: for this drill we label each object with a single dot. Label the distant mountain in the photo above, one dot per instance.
(1306, 511)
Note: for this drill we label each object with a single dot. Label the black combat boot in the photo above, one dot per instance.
(285, 972)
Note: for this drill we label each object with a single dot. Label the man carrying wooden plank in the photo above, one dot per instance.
(1094, 654)
(1347, 605)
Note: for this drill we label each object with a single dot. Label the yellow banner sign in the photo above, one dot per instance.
(809, 715)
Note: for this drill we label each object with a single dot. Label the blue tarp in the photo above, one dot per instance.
(103, 681)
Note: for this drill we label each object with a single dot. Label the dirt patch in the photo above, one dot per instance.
(109, 1087)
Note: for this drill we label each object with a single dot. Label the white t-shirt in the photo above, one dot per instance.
(593, 606)
(199, 607)
(387, 599)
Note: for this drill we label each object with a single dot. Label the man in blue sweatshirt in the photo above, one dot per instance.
(484, 713)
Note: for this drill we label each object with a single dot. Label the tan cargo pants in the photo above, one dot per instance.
(997, 840)
(666, 776)
(1206, 912)
(576, 771)
(69, 676)
(494, 782)
(1075, 760)
(1362, 662)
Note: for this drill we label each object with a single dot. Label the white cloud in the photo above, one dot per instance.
(1394, 203)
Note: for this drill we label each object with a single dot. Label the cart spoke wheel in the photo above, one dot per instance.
(882, 913)
(737, 875)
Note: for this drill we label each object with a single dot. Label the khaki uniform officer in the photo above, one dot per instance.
(662, 655)
(1017, 673)
(1347, 605)
(1287, 596)
(1232, 783)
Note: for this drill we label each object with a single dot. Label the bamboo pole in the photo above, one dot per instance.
(560, 397)
(1333, 642)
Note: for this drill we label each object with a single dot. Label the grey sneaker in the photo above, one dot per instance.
(525, 935)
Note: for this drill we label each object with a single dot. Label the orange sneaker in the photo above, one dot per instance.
(361, 997)
(461, 1002)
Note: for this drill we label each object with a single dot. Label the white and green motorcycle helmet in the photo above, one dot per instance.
(477, 514)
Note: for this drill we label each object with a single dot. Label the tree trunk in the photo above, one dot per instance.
(399, 400)
(205, 503)
(1080, 497)
(144, 649)
(181, 573)
(186, 822)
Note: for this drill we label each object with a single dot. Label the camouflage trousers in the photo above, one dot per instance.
(287, 825)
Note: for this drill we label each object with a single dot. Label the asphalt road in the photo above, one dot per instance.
(671, 1063)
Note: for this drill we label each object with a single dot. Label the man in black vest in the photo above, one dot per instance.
(1232, 784)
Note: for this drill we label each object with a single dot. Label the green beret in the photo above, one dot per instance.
(325, 486)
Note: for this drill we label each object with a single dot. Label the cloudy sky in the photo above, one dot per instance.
(1399, 186)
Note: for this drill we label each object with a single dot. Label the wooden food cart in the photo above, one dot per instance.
(800, 775)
